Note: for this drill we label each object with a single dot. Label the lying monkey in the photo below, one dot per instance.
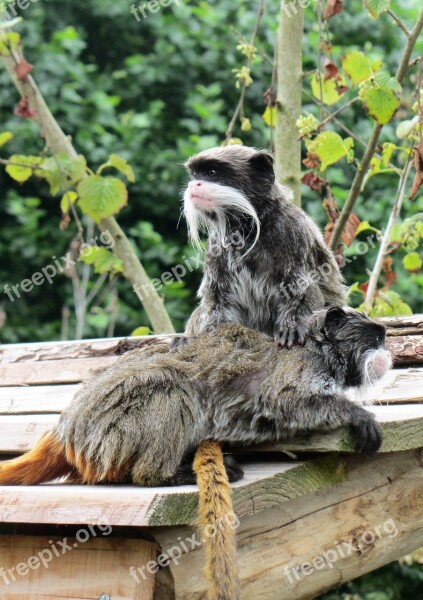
(139, 419)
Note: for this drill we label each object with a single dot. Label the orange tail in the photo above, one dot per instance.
(45, 462)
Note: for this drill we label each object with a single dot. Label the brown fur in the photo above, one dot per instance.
(46, 461)
(215, 504)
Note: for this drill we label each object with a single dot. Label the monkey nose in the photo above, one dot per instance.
(196, 183)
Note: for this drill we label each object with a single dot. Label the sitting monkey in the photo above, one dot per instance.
(266, 264)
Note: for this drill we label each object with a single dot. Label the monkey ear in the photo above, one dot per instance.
(262, 161)
(335, 316)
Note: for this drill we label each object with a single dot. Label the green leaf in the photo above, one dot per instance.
(404, 309)
(380, 102)
(365, 226)
(22, 173)
(5, 137)
(376, 7)
(330, 147)
(103, 260)
(101, 197)
(355, 288)
(141, 331)
(412, 262)
(121, 165)
(357, 66)
(387, 150)
(62, 171)
(269, 116)
(68, 198)
(8, 41)
(329, 91)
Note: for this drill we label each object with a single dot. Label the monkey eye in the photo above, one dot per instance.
(211, 172)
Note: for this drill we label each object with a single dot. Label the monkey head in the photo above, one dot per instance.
(356, 343)
(230, 187)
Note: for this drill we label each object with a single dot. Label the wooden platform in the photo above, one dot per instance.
(323, 502)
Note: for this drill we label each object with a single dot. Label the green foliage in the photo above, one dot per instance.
(103, 260)
(330, 147)
(101, 197)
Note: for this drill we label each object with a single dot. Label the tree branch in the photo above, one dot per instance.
(383, 249)
(58, 142)
(372, 145)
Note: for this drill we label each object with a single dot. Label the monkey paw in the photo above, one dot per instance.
(233, 470)
(367, 434)
(288, 336)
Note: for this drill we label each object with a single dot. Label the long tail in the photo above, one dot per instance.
(216, 522)
(45, 462)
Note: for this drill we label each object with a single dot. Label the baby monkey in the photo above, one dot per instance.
(266, 264)
(141, 419)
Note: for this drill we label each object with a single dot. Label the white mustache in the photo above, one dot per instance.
(228, 201)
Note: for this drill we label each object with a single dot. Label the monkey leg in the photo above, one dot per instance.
(168, 433)
(185, 474)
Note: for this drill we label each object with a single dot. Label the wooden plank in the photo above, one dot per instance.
(271, 483)
(372, 518)
(402, 426)
(78, 570)
(397, 386)
(403, 321)
(36, 399)
(70, 349)
(18, 433)
(406, 349)
(402, 430)
(53, 371)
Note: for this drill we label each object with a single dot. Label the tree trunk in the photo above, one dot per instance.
(289, 76)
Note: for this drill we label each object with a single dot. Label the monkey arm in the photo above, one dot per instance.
(298, 299)
(329, 411)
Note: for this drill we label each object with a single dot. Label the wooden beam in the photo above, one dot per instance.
(373, 517)
(402, 430)
(270, 483)
(406, 350)
(70, 568)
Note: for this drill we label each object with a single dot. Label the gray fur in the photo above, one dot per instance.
(149, 411)
(273, 283)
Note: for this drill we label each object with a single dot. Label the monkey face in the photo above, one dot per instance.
(227, 190)
(361, 341)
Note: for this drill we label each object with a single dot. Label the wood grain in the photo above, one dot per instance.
(36, 399)
(52, 371)
(383, 494)
(84, 571)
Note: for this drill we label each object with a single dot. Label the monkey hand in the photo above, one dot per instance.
(289, 335)
(366, 431)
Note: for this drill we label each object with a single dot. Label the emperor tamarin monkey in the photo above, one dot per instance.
(266, 264)
(139, 419)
